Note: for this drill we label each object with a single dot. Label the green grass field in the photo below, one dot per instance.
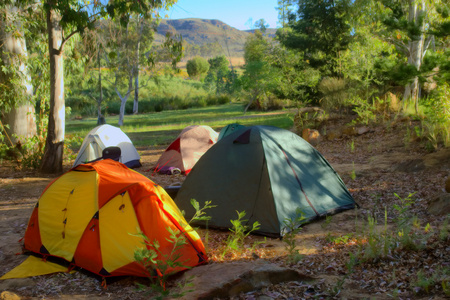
(161, 128)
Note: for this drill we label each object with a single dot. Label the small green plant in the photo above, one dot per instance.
(353, 261)
(423, 282)
(352, 146)
(409, 237)
(200, 214)
(161, 265)
(372, 250)
(402, 209)
(343, 239)
(290, 229)
(379, 244)
(239, 232)
(327, 221)
(353, 172)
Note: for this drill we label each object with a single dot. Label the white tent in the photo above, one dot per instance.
(104, 136)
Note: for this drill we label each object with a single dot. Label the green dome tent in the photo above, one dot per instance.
(229, 129)
(268, 172)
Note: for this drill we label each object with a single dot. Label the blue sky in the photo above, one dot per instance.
(239, 14)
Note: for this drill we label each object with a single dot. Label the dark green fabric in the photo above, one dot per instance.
(267, 172)
(230, 128)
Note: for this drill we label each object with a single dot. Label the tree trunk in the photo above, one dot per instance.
(136, 93)
(100, 99)
(21, 117)
(54, 146)
(136, 67)
(123, 100)
(416, 50)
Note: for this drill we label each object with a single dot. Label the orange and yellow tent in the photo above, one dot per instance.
(95, 215)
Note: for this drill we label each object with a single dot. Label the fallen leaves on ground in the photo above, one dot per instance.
(347, 261)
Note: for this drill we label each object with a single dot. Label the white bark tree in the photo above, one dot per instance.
(73, 16)
(54, 146)
(416, 49)
(409, 29)
(18, 110)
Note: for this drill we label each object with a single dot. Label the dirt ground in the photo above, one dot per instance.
(374, 165)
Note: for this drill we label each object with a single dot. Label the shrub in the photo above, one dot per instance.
(334, 91)
(197, 67)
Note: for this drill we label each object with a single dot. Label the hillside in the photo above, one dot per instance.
(198, 32)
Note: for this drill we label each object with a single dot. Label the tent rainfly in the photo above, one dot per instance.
(269, 173)
(104, 136)
(95, 216)
(184, 152)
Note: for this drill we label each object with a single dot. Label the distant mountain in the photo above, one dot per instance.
(200, 32)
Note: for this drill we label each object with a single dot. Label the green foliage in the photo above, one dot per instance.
(297, 80)
(427, 279)
(437, 117)
(71, 146)
(334, 91)
(284, 8)
(376, 244)
(361, 63)
(343, 239)
(261, 77)
(159, 264)
(320, 30)
(32, 152)
(239, 232)
(219, 78)
(364, 110)
(290, 229)
(200, 214)
(197, 67)
(158, 94)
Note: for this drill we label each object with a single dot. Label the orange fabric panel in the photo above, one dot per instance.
(88, 254)
(154, 223)
(32, 238)
(131, 269)
(114, 178)
(149, 209)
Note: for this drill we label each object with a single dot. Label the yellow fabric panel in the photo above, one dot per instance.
(172, 209)
(117, 220)
(33, 266)
(71, 199)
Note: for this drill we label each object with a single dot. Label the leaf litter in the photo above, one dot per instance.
(337, 253)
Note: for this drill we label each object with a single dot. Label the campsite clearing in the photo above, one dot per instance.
(375, 166)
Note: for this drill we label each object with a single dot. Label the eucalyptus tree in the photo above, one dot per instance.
(16, 90)
(413, 26)
(260, 77)
(217, 75)
(284, 9)
(121, 61)
(65, 19)
(130, 51)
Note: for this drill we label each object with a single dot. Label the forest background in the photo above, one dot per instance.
(78, 59)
